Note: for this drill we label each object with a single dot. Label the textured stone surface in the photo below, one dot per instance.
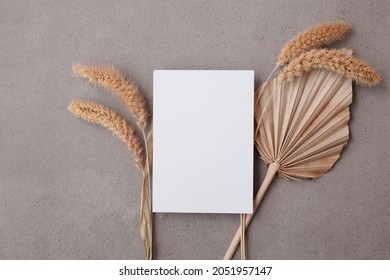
(69, 190)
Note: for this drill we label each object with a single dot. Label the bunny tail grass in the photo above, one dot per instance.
(114, 80)
(333, 60)
(99, 114)
(314, 37)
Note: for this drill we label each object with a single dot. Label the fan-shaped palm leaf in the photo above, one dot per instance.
(302, 127)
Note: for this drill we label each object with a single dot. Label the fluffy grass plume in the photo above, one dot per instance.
(314, 37)
(114, 80)
(333, 60)
(99, 114)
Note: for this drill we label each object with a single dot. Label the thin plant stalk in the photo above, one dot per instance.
(243, 228)
(146, 217)
(271, 172)
(243, 216)
(269, 77)
(265, 108)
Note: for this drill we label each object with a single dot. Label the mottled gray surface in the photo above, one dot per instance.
(69, 190)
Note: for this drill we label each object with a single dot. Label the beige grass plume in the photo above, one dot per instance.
(99, 114)
(114, 80)
(314, 37)
(333, 60)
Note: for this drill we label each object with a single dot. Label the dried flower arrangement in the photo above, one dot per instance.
(302, 116)
(119, 84)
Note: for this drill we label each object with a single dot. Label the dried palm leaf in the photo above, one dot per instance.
(306, 125)
(302, 128)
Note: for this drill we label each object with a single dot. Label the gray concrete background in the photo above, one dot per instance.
(69, 190)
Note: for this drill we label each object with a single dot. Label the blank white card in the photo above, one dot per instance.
(203, 141)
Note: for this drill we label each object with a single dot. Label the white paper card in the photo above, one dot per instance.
(203, 141)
